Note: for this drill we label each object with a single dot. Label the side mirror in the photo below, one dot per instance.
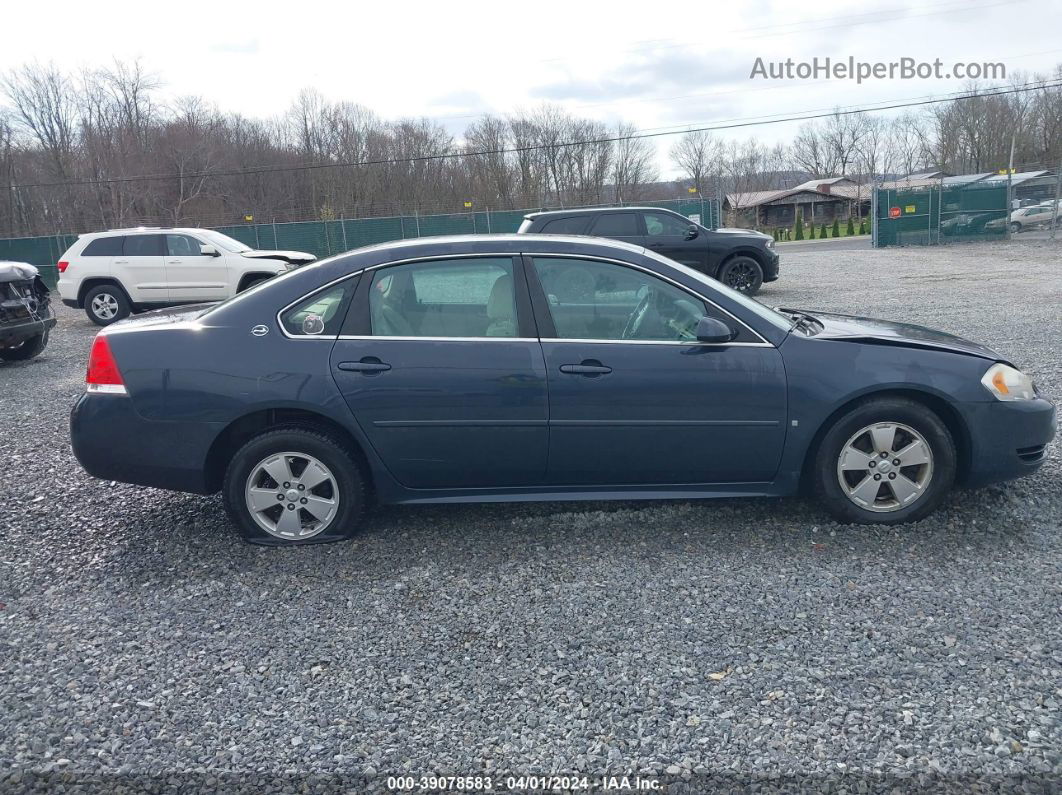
(692, 232)
(208, 251)
(711, 330)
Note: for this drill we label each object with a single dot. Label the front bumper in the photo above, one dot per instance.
(771, 265)
(113, 442)
(19, 331)
(1007, 439)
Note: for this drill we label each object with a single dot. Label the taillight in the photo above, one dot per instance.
(63, 265)
(103, 374)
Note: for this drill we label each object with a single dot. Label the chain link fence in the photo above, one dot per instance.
(325, 238)
(942, 213)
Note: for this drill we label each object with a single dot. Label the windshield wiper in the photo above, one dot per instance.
(801, 320)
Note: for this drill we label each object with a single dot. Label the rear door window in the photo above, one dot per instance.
(616, 225)
(143, 246)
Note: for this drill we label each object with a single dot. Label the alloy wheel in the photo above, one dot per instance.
(741, 277)
(292, 495)
(885, 467)
(105, 306)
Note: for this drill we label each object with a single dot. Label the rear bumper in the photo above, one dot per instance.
(1007, 439)
(113, 442)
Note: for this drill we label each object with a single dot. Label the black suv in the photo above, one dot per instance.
(739, 258)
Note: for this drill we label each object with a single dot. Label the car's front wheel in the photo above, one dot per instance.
(294, 486)
(887, 461)
(743, 274)
(106, 304)
(1015, 227)
(26, 349)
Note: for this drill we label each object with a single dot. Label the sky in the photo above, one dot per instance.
(660, 65)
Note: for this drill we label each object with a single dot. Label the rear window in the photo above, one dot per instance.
(616, 225)
(104, 247)
(566, 226)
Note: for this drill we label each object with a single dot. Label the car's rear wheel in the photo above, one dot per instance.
(27, 349)
(294, 486)
(743, 274)
(887, 461)
(106, 304)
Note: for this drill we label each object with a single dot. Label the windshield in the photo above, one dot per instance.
(224, 241)
(776, 319)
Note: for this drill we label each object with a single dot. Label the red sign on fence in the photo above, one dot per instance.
(894, 212)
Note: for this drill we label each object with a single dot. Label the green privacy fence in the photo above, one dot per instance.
(941, 213)
(325, 238)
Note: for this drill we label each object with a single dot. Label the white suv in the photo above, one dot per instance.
(110, 274)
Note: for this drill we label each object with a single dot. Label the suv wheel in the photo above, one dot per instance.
(27, 349)
(1015, 227)
(743, 274)
(294, 486)
(887, 461)
(106, 304)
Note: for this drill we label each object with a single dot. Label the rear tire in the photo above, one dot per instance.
(743, 274)
(106, 304)
(318, 487)
(25, 350)
(883, 491)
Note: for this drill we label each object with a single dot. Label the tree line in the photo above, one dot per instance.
(104, 148)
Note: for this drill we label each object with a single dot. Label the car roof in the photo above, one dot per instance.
(158, 230)
(508, 243)
(593, 211)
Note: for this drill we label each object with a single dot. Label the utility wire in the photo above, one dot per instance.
(277, 169)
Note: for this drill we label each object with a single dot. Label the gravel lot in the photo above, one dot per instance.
(717, 643)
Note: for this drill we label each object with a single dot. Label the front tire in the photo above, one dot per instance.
(743, 274)
(887, 461)
(1015, 227)
(294, 486)
(106, 304)
(26, 349)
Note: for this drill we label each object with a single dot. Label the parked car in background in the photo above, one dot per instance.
(540, 367)
(1037, 215)
(741, 259)
(26, 315)
(111, 274)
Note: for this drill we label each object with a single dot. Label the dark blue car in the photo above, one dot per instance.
(525, 367)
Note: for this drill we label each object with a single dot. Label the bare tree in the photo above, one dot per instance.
(694, 154)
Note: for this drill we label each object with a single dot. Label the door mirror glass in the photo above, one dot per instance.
(208, 250)
(692, 232)
(711, 330)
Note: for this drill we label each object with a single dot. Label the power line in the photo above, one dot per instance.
(278, 169)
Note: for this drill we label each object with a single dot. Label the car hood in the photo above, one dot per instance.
(735, 232)
(867, 329)
(296, 257)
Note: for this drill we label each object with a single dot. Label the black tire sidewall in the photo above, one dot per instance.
(907, 412)
(349, 479)
(757, 284)
(119, 296)
(27, 350)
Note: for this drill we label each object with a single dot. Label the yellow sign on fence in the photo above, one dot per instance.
(910, 208)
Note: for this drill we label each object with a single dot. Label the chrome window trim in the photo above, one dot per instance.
(763, 343)
(668, 279)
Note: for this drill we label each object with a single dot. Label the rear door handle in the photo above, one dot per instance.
(585, 368)
(366, 365)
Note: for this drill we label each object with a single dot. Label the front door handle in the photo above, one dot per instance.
(656, 245)
(173, 262)
(369, 365)
(589, 367)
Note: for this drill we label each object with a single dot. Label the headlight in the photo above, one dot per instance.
(1006, 383)
(770, 243)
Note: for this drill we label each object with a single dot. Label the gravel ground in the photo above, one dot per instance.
(713, 644)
